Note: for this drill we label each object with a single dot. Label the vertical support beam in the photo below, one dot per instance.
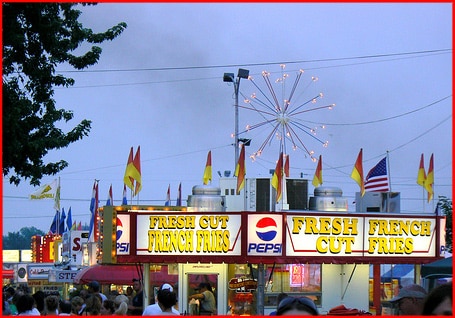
(236, 124)
(377, 288)
(146, 285)
(260, 291)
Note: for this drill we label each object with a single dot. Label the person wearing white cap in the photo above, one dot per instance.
(410, 300)
(155, 309)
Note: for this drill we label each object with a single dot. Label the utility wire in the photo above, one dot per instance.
(383, 119)
(262, 63)
(227, 66)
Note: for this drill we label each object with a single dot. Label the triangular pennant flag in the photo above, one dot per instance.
(277, 178)
(208, 169)
(240, 170)
(357, 173)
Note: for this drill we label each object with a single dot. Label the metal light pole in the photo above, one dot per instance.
(229, 77)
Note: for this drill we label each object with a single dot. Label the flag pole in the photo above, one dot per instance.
(58, 206)
(131, 195)
(137, 198)
(390, 181)
(423, 199)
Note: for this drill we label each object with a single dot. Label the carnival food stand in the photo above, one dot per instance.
(248, 256)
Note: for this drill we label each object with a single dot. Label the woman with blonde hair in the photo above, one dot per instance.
(121, 305)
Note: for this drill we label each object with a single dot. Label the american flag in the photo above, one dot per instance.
(377, 179)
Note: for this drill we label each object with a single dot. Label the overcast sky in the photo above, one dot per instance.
(387, 67)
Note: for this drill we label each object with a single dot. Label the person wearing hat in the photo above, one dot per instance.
(410, 300)
(155, 309)
(165, 301)
(207, 299)
(94, 288)
(297, 306)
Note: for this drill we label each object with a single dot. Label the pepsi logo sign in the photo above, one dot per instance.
(265, 235)
(266, 229)
(119, 231)
(122, 236)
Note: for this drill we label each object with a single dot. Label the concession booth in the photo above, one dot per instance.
(249, 257)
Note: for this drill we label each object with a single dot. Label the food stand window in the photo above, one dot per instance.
(293, 279)
(393, 277)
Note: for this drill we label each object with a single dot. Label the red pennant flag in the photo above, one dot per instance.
(240, 170)
(278, 177)
(137, 165)
(317, 179)
(286, 167)
(208, 169)
(357, 173)
(430, 180)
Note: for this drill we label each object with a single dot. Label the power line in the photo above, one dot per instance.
(262, 63)
(383, 119)
(406, 56)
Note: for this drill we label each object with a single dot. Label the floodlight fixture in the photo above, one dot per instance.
(243, 73)
(245, 141)
(228, 77)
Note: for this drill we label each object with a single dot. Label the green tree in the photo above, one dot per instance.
(21, 240)
(445, 206)
(37, 37)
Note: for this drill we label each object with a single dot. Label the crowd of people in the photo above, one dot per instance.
(412, 300)
(88, 301)
(20, 302)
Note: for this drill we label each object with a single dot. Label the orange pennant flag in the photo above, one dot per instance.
(128, 179)
(430, 180)
(208, 169)
(240, 170)
(138, 176)
(317, 179)
(278, 177)
(421, 175)
(286, 167)
(357, 173)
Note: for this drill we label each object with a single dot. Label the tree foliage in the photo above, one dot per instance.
(21, 240)
(37, 37)
(445, 205)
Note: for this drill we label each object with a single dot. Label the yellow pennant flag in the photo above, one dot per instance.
(430, 180)
(278, 177)
(421, 176)
(208, 169)
(133, 171)
(128, 179)
(138, 176)
(357, 173)
(317, 179)
(240, 170)
(286, 167)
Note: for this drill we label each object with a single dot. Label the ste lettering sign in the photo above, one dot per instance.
(65, 276)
